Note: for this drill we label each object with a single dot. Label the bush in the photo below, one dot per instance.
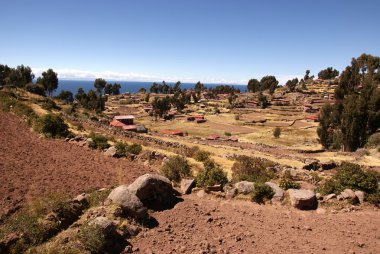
(134, 148)
(228, 134)
(176, 168)
(289, 184)
(252, 169)
(98, 141)
(35, 88)
(201, 156)
(92, 238)
(212, 174)
(52, 125)
(276, 132)
(121, 148)
(351, 176)
(374, 198)
(373, 140)
(262, 192)
(49, 104)
(190, 152)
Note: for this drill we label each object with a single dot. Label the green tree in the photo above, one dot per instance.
(116, 89)
(4, 73)
(142, 90)
(108, 89)
(49, 80)
(291, 84)
(99, 85)
(269, 83)
(262, 101)
(66, 96)
(328, 73)
(253, 86)
(276, 132)
(19, 76)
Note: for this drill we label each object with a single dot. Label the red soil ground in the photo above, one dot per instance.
(210, 225)
(31, 166)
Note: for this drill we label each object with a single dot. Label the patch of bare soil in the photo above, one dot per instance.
(209, 225)
(31, 166)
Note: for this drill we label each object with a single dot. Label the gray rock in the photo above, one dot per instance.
(244, 187)
(360, 195)
(81, 198)
(104, 224)
(187, 185)
(111, 152)
(347, 194)
(319, 196)
(278, 192)
(129, 202)
(152, 186)
(302, 199)
(330, 196)
(230, 192)
(89, 141)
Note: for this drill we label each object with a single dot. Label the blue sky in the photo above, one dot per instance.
(188, 40)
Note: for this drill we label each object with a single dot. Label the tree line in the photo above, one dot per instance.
(355, 116)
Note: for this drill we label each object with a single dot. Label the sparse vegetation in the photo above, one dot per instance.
(134, 148)
(252, 169)
(176, 168)
(98, 141)
(92, 238)
(351, 176)
(52, 125)
(202, 156)
(276, 132)
(212, 174)
(262, 193)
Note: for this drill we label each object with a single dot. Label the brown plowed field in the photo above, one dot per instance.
(210, 225)
(31, 166)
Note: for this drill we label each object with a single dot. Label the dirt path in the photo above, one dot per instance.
(31, 166)
(208, 224)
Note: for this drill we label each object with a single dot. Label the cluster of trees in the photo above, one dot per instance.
(92, 100)
(22, 76)
(112, 89)
(328, 73)
(266, 83)
(291, 84)
(164, 88)
(179, 100)
(356, 114)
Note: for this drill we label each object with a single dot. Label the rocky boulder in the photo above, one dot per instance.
(111, 152)
(152, 187)
(302, 199)
(129, 202)
(187, 185)
(360, 195)
(347, 194)
(278, 192)
(244, 187)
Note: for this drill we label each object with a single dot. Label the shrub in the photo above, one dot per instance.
(373, 140)
(374, 198)
(228, 134)
(212, 174)
(190, 152)
(176, 168)
(98, 141)
(351, 176)
(289, 184)
(201, 156)
(262, 192)
(252, 169)
(276, 132)
(35, 88)
(121, 148)
(237, 117)
(49, 104)
(134, 148)
(92, 238)
(52, 125)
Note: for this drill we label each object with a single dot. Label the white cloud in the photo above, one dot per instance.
(117, 76)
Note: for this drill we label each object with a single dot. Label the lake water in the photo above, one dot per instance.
(126, 86)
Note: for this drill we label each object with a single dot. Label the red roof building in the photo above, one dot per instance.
(130, 127)
(172, 132)
(127, 120)
(115, 123)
